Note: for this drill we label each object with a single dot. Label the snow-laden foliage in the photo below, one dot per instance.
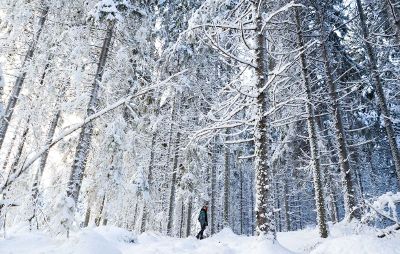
(278, 115)
(110, 10)
(384, 207)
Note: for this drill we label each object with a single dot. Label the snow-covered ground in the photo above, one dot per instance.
(343, 239)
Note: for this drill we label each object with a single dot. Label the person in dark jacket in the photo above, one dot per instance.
(203, 222)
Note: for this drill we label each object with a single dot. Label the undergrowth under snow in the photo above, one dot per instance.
(343, 239)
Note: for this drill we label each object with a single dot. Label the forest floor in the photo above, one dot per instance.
(343, 239)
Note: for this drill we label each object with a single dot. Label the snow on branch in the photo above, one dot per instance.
(225, 52)
(282, 9)
(31, 158)
(384, 205)
(109, 10)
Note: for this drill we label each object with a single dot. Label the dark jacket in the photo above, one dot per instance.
(203, 217)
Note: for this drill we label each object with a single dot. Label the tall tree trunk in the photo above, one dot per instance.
(277, 206)
(150, 183)
(241, 203)
(144, 219)
(347, 181)
(135, 215)
(88, 212)
(181, 219)
(286, 204)
(227, 182)
(189, 217)
(213, 187)
(253, 206)
(169, 159)
(312, 135)
(100, 215)
(300, 216)
(264, 213)
(87, 217)
(82, 150)
(334, 209)
(378, 87)
(171, 206)
(6, 118)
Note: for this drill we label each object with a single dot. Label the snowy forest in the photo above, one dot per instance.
(123, 118)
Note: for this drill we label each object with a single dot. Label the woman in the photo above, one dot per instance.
(203, 222)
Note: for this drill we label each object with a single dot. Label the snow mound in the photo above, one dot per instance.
(350, 238)
(360, 244)
(344, 238)
(88, 241)
(102, 240)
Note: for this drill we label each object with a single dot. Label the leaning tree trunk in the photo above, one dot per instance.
(171, 206)
(7, 158)
(43, 159)
(20, 148)
(15, 164)
(312, 135)
(379, 90)
(264, 219)
(101, 214)
(6, 118)
(347, 181)
(82, 150)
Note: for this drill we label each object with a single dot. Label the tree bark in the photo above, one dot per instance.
(264, 214)
(189, 218)
(181, 219)
(286, 204)
(312, 135)
(87, 217)
(101, 211)
(82, 150)
(213, 187)
(241, 203)
(226, 183)
(149, 181)
(171, 206)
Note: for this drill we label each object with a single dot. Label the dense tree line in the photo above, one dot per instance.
(278, 114)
